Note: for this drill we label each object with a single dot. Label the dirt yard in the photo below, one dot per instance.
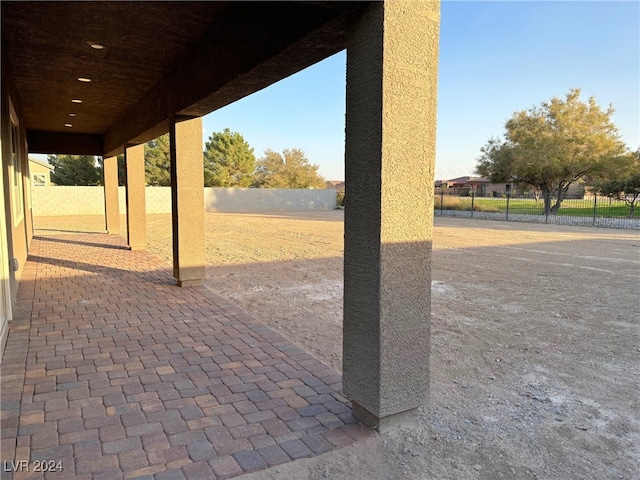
(535, 346)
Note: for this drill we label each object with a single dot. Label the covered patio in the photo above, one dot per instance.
(113, 372)
(103, 346)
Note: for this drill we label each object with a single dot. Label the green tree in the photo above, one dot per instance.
(229, 160)
(291, 169)
(75, 170)
(157, 161)
(624, 183)
(122, 171)
(553, 145)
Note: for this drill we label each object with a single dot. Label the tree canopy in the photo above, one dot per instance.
(291, 169)
(75, 170)
(229, 160)
(623, 183)
(157, 161)
(553, 145)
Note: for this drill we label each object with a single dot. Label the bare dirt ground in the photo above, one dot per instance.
(535, 346)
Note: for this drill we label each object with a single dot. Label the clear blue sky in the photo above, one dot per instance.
(495, 58)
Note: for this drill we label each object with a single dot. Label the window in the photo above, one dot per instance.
(39, 180)
(16, 166)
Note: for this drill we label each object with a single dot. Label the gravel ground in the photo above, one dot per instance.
(535, 346)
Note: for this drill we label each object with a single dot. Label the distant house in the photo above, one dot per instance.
(482, 187)
(338, 185)
(40, 172)
(479, 186)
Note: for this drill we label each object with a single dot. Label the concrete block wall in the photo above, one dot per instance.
(267, 200)
(61, 201)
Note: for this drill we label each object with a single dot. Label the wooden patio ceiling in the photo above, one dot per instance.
(159, 59)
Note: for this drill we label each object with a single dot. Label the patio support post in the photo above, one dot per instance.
(392, 59)
(187, 200)
(136, 207)
(111, 212)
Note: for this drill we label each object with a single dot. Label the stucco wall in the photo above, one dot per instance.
(57, 200)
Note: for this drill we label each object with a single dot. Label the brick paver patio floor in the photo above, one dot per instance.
(112, 371)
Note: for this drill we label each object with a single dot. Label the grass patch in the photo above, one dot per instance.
(464, 204)
(529, 206)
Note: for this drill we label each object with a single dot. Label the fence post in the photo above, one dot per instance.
(508, 196)
(595, 206)
(441, 200)
(472, 203)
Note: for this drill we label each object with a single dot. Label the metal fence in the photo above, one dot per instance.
(587, 210)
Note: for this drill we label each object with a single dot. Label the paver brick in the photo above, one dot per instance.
(262, 416)
(202, 450)
(337, 438)
(257, 396)
(197, 471)
(123, 445)
(273, 455)
(132, 460)
(249, 460)
(68, 425)
(186, 438)
(173, 474)
(76, 437)
(96, 464)
(225, 467)
(231, 447)
(167, 455)
(317, 443)
(311, 410)
(246, 431)
(231, 420)
(302, 423)
(296, 449)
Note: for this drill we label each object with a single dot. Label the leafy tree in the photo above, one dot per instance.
(553, 145)
(122, 171)
(624, 183)
(229, 160)
(75, 170)
(291, 169)
(157, 161)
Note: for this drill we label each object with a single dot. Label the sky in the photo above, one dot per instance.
(495, 58)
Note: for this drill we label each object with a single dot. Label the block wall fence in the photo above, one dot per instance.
(61, 201)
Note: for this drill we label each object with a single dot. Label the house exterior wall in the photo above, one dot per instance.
(58, 200)
(38, 171)
(16, 228)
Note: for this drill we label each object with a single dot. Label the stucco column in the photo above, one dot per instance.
(187, 200)
(392, 60)
(111, 210)
(136, 207)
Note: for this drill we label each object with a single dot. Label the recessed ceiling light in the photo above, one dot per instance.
(72, 114)
(97, 46)
(84, 79)
(76, 101)
(68, 125)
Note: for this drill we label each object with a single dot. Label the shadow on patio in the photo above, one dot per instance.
(114, 372)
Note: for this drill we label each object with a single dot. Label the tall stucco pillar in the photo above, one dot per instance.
(187, 200)
(136, 206)
(111, 209)
(392, 60)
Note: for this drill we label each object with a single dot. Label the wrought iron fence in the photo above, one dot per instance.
(588, 210)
